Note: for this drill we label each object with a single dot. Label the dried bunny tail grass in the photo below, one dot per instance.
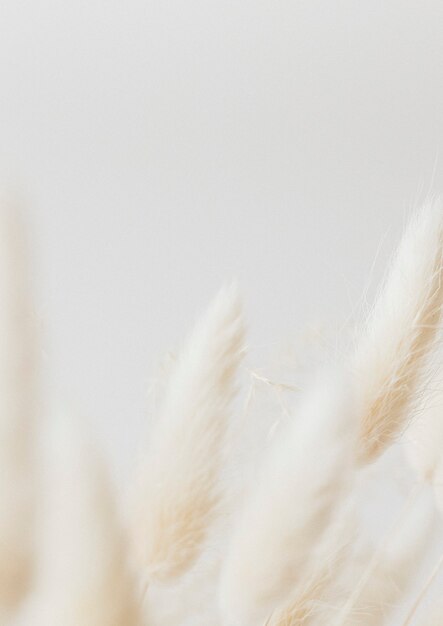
(423, 439)
(437, 484)
(18, 407)
(158, 385)
(177, 491)
(395, 568)
(191, 598)
(331, 556)
(303, 479)
(424, 590)
(83, 576)
(389, 358)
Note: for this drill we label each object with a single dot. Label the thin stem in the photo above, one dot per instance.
(424, 590)
(353, 597)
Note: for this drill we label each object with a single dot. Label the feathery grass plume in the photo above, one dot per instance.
(83, 576)
(423, 440)
(330, 557)
(303, 479)
(396, 565)
(410, 618)
(177, 491)
(189, 599)
(159, 384)
(437, 484)
(390, 355)
(18, 407)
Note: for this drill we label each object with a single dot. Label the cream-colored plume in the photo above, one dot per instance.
(437, 484)
(317, 590)
(423, 440)
(18, 408)
(302, 481)
(370, 595)
(401, 329)
(177, 490)
(261, 531)
(83, 575)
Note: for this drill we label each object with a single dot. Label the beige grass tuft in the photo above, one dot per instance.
(395, 564)
(18, 408)
(270, 537)
(308, 600)
(302, 481)
(177, 491)
(399, 332)
(423, 440)
(83, 574)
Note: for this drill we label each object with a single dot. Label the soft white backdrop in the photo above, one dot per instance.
(166, 146)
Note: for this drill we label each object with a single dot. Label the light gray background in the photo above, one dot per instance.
(166, 146)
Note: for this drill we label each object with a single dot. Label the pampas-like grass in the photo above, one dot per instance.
(399, 333)
(255, 525)
(18, 407)
(307, 601)
(83, 573)
(291, 507)
(177, 492)
(437, 484)
(423, 441)
(395, 566)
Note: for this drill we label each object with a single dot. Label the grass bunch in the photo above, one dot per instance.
(300, 547)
